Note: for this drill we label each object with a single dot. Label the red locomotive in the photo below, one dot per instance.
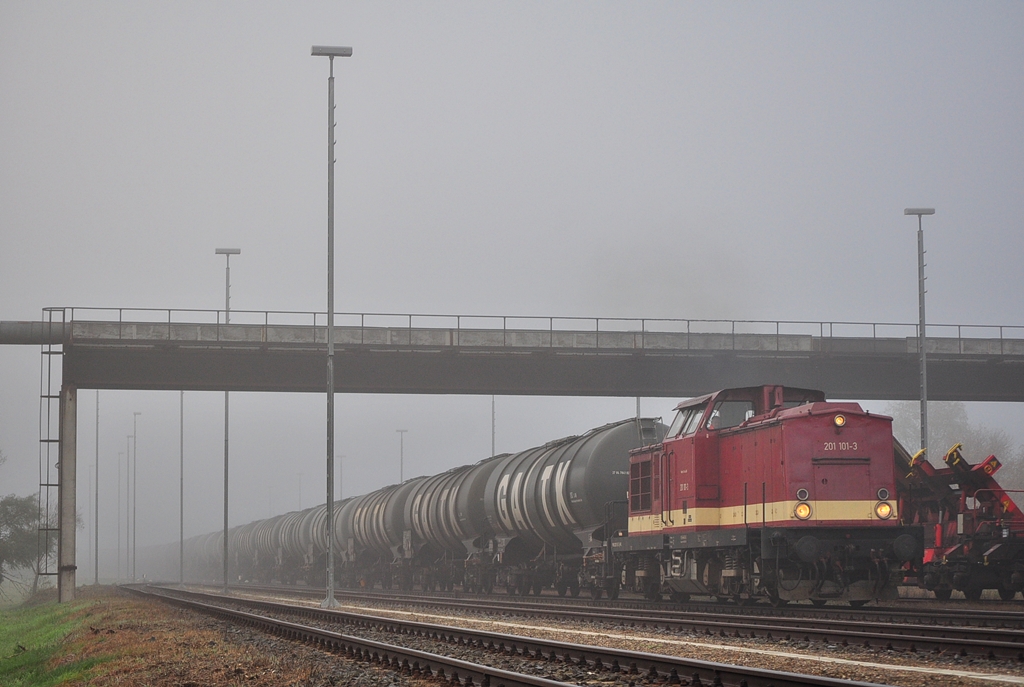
(765, 492)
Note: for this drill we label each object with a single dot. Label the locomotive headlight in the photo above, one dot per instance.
(802, 510)
(839, 420)
(883, 510)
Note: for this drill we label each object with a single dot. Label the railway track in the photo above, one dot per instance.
(883, 630)
(575, 663)
(932, 615)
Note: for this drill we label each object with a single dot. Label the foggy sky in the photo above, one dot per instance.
(690, 160)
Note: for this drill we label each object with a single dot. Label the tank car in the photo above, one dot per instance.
(521, 521)
(765, 492)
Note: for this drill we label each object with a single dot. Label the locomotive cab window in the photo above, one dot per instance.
(686, 421)
(640, 486)
(678, 421)
(691, 423)
(730, 414)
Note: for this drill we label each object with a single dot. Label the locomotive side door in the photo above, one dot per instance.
(678, 470)
(684, 487)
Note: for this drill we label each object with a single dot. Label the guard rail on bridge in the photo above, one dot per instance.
(278, 328)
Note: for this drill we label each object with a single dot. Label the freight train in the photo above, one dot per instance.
(756, 493)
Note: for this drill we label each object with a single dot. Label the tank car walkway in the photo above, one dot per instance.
(278, 351)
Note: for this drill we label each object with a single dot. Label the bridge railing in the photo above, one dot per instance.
(487, 331)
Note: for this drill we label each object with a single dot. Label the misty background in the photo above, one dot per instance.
(660, 160)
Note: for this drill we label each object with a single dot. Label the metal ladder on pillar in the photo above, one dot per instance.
(48, 531)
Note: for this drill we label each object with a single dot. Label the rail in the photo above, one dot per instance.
(654, 667)
(433, 330)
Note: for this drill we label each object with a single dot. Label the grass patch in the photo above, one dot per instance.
(31, 637)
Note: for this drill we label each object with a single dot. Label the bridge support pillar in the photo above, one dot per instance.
(66, 476)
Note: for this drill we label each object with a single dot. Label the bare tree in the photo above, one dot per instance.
(949, 424)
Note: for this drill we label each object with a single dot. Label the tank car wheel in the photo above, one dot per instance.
(561, 586)
(652, 591)
(818, 602)
(943, 594)
(777, 601)
(613, 591)
(596, 593)
(973, 593)
(510, 588)
(574, 588)
(487, 585)
(858, 603)
(1007, 594)
(679, 597)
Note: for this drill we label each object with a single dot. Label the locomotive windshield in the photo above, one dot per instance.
(686, 420)
(730, 413)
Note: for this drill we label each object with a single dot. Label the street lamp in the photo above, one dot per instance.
(128, 507)
(118, 578)
(227, 253)
(330, 52)
(181, 490)
(96, 505)
(920, 328)
(135, 485)
(401, 454)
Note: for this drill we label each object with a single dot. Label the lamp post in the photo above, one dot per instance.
(128, 473)
(118, 578)
(330, 52)
(920, 327)
(227, 253)
(401, 454)
(135, 486)
(96, 504)
(181, 490)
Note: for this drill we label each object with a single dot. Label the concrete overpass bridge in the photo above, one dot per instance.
(88, 348)
(441, 354)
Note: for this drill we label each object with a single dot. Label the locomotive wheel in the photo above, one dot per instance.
(538, 587)
(679, 597)
(818, 602)
(859, 603)
(524, 586)
(777, 602)
(574, 588)
(652, 591)
(487, 585)
(613, 591)
(561, 586)
(510, 588)
(1007, 594)
(973, 593)
(596, 593)
(943, 594)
